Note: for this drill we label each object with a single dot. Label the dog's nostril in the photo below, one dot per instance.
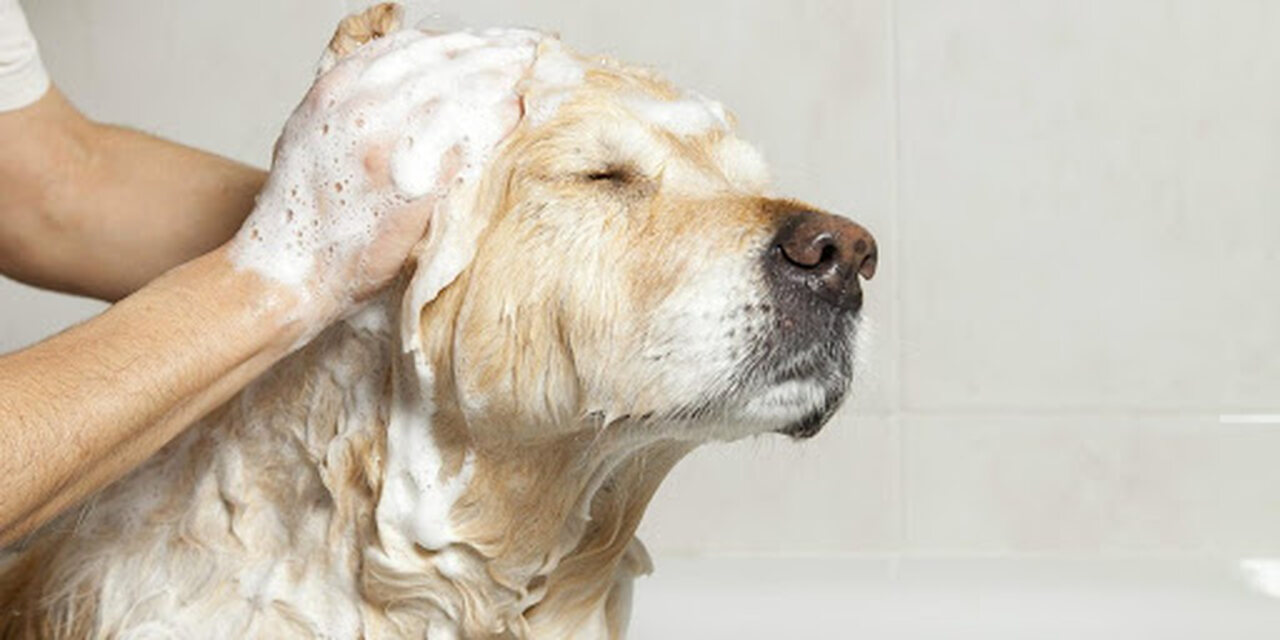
(867, 268)
(809, 252)
(826, 254)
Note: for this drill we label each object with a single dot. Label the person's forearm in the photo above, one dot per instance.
(84, 407)
(100, 210)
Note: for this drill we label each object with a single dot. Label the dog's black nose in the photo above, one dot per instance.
(825, 254)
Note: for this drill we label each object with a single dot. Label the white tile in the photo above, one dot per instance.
(835, 493)
(28, 315)
(892, 598)
(221, 76)
(1090, 484)
(1089, 204)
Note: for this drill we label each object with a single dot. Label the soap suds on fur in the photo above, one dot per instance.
(429, 98)
(451, 242)
(693, 115)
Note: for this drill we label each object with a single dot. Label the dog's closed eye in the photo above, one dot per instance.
(616, 174)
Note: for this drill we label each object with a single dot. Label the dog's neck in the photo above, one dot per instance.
(445, 533)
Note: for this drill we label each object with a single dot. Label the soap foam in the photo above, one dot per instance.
(455, 227)
(556, 74)
(417, 497)
(319, 207)
(426, 98)
(689, 116)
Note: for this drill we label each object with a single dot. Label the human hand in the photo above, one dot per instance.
(382, 137)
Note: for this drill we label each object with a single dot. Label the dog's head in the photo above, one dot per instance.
(610, 288)
(620, 262)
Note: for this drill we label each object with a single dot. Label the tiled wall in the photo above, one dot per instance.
(1078, 205)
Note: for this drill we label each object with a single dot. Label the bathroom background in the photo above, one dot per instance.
(1077, 314)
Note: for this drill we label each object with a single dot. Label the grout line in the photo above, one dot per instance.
(895, 197)
(970, 554)
(1249, 418)
(1050, 413)
(902, 533)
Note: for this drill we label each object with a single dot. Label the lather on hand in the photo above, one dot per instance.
(383, 136)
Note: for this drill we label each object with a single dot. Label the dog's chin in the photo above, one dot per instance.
(791, 385)
(810, 417)
(808, 390)
(812, 422)
(799, 404)
(800, 377)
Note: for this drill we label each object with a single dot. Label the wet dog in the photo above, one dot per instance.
(470, 454)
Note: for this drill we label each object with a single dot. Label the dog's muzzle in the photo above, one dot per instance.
(812, 268)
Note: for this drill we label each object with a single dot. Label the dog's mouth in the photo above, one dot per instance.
(805, 365)
(814, 387)
(812, 422)
(792, 380)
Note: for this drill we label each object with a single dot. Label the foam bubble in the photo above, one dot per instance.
(415, 97)
(691, 116)
(555, 75)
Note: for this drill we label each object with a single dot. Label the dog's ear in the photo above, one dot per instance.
(447, 248)
(463, 216)
(359, 28)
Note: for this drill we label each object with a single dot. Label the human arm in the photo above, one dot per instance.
(349, 195)
(99, 210)
(84, 407)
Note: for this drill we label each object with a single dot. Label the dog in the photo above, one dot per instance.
(470, 454)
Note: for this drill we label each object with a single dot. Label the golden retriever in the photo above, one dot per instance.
(469, 456)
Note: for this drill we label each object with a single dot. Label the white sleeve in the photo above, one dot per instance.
(22, 77)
